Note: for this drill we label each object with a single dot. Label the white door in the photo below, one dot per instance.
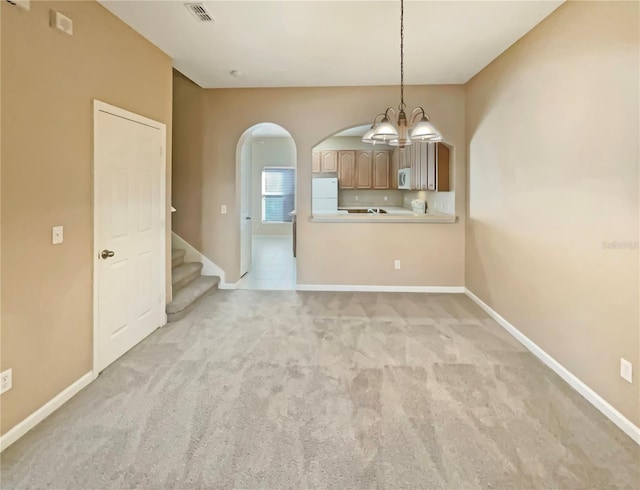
(245, 210)
(129, 222)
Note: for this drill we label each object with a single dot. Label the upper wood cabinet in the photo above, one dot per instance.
(437, 168)
(381, 169)
(359, 169)
(324, 161)
(346, 169)
(393, 169)
(329, 161)
(315, 161)
(430, 166)
(443, 168)
(363, 170)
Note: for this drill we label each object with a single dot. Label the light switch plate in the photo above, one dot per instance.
(626, 370)
(223, 209)
(57, 235)
(61, 22)
(6, 381)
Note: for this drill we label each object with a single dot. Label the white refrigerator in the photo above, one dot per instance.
(324, 195)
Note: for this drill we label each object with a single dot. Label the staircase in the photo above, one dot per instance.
(188, 285)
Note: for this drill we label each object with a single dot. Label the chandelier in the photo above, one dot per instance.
(404, 132)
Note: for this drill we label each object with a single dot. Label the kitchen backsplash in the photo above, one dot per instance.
(369, 198)
(441, 202)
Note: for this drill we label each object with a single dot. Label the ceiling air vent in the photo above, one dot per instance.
(199, 11)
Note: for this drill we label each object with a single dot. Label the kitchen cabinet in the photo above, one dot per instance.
(363, 170)
(323, 161)
(430, 166)
(346, 169)
(438, 168)
(393, 170)
(329, 161)
(380, 169)
(442, 168)
(315, 162)
(359, 169)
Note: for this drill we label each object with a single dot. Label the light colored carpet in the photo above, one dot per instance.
(260, 389)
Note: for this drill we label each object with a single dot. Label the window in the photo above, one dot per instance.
(278, 194)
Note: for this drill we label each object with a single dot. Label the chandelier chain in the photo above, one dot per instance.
(402, 104)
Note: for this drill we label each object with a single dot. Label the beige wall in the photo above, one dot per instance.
(187, 158)
(328, 253)
(553, 173)
(49, 81)
(268, 152)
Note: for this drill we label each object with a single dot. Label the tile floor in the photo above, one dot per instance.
(272, 264)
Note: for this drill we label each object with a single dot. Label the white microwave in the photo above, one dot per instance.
(404, 178)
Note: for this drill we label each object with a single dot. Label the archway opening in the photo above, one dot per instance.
(266, 158)
(350, 176)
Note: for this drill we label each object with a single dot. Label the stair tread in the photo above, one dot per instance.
(191, 293)
(184, 270)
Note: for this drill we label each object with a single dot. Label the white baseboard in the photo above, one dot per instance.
(228, 285)
(380, 289)
(44, 411)
(283, 235)
(194, 255)
(591, 396)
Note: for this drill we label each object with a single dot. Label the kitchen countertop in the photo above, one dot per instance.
(394, 214)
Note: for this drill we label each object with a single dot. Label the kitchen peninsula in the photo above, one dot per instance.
(383, 214)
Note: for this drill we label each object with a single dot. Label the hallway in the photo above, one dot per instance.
(273, 266)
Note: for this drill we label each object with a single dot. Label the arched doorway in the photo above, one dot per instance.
(266, 160)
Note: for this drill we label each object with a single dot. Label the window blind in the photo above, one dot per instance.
(278, 194)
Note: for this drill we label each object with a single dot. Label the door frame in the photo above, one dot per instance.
(98, 107)
(243, 166)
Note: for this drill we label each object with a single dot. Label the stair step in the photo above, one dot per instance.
(188, 296)
(177, 257)
(184, 274)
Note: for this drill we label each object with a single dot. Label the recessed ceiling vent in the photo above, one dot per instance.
(199, 11)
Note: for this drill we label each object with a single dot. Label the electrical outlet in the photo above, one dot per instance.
(223, 209)
(357, 198)
(386, 198)
(5, 381)
(396, 264)
(626, 370)
(57, 235)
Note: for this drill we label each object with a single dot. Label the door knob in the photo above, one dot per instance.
(105, 254)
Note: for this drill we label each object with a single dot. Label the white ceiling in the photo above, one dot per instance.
(332, 43)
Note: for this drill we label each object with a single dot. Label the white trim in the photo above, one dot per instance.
(283, 235)
(194, 255)
(99, 106)
(381, 289)
(44, 411)
(228, 285)
(591, 396)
